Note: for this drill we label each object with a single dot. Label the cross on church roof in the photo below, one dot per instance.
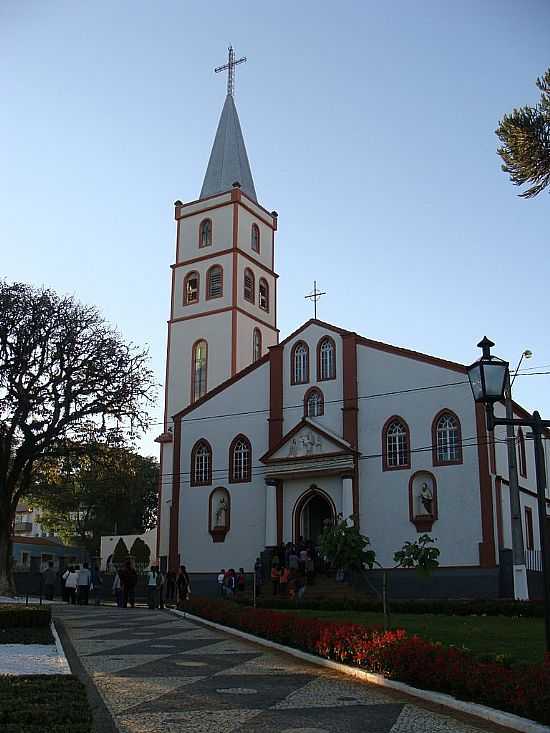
(230, 66)
(314, 296)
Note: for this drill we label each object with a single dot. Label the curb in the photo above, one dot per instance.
(491, 715)
(60, 650)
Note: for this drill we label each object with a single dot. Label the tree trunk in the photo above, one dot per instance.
(7, 584)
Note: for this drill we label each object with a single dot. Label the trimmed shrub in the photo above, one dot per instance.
(523, 690)
(37, 703)
(14, 615)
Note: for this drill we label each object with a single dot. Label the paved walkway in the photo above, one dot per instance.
(159, 673)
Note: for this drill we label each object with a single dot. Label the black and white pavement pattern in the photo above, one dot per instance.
(159, 673)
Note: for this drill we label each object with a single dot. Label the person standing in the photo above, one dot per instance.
(221, 576)
(84, 581)
(152, 584)
(161, 587)
(258, 575)
(128, 580)
(71, 583)
(170, 585)
(183, 585)
(49, 578)
(117, 589)
(97, 584)
(275, 575)
(283, 581)
(241, 581)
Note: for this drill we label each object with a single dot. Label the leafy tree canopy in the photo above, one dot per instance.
(140, 552)
(120, 553)
(525, 138)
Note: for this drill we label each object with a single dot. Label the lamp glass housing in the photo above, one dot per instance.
(488, 379)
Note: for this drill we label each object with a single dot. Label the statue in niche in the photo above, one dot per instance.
(426, 498)
(221, 513)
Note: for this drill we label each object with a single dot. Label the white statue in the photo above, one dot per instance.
(308, 443)
(293, 450)
(221, 513)
(318, 445)
(426, 498)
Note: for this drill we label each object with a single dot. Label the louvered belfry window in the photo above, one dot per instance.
(214, 279)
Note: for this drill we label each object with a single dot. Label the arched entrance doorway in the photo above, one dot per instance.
(312, 513)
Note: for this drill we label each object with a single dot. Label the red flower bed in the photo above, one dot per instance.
(523, 690)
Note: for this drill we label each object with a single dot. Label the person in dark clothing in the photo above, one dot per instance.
(50, 577)
(183, 585)
(128, 580)
(170, 586)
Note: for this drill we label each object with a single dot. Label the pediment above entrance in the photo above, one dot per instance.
(308, 441)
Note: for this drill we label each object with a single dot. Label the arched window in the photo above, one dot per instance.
(201, 464)
(299, 363)
(314, 404)
(446, 439)
(263, 295)
(214, 282)
(191, 288)
(255, 238)
(522, 459)
(326, 359)
(249, 286)
(199, 369)
(205, 233)
(257, 344)
(396, 450)
(240, 460)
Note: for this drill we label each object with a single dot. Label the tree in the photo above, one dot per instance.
(67, 378)
(525, 134)
(140, 552)
(120, 553)
(346, 548)
(104, 490)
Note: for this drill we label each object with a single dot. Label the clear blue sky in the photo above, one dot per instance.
(369, 127)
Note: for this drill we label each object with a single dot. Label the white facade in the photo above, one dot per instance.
(108, 544)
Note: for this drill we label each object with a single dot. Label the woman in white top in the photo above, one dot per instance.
(71, 581)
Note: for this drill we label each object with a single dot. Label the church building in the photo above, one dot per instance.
(266, 438)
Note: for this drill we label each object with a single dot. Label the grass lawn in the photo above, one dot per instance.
(522, 639)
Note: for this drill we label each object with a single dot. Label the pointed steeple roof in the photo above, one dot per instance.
(228, 160)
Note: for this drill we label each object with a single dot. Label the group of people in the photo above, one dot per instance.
(76, 583)
(230, 582)
(292, 568)
(169, 587)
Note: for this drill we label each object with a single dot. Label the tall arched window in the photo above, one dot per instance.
(249, 286)
(199, 369)
(201, 464)
(299, 363)
(240, 460)
(257, 344)
(214, 282)
(263, 294)
(255, 238)
(522, 458)
(446, 439)
(326, 359)
(205, 233)
(396, 449)
(314, 404)
(191, 288)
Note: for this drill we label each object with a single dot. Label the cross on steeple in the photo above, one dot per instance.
(230, 66)
(314, 296)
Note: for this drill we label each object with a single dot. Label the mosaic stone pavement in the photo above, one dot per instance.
(157, 672)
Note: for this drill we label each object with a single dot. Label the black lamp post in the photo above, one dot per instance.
(488, 378)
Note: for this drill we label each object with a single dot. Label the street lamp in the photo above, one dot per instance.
(488, 378)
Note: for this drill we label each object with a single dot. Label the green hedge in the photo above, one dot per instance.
(448, 608)
(39, 703)
(14, 615)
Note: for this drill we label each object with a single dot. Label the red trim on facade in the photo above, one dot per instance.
(234, 284)
(185, 281)
(212, 312)
(305, 422)
(301, 503)
(263, 281)
(248, 475)
(255, 237)
(275, 356)
(293, 379)
(173, 554)
(435, 459)
(319, 344)
(522, 489)
(522, 456)
(423, 522)
(279, 496)
(257, 333)
(500, 522)
(231, 191)
(385, 465)
(248, 272)
(492, 452)
(255, 318)
(350, 410)
(487, 554)
(192, 472)
(208, 243)
(193, 356)
(529, 534)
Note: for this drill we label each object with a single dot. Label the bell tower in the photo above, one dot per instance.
(223, 313)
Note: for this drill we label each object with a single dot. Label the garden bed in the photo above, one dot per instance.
(523, 690)
(52, 703)
(25, 624)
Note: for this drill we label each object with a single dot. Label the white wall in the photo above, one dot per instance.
(384, 503)
(246, 219)
(108, 544)
(222, 228)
